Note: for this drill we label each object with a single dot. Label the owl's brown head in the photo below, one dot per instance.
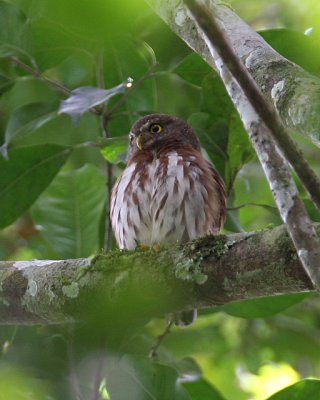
(157, 130)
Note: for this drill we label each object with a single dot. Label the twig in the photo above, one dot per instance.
(37, 74)
(250, 102)
(250, 204)
(104, 116)
(264, 110)
(154, 350)
(136, 84)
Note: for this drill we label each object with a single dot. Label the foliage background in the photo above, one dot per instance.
(245, 351)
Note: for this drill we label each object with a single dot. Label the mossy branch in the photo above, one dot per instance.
(207, 272)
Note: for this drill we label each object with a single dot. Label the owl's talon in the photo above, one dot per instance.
(143, 247)
(157, 247)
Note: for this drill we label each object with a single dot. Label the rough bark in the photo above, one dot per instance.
(294, 92)
(207, 272)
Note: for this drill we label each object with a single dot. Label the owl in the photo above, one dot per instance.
(168, 192)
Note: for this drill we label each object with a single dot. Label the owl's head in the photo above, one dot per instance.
(157, 130)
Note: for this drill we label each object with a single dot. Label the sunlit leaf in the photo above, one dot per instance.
(144, 380)
(114, 150)
(202, 390)
(263, 307)
(69, 212)
(307, 389)
(84, 98)
(27, 172)
(18, 384)
(29, 118)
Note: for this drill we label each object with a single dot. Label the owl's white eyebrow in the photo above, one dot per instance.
(144, 126)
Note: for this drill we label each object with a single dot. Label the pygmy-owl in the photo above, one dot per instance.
(168, 192)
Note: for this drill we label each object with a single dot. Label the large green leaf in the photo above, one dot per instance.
(138, 378)
(193, 69)
(202, 390)
(14, 32)
(307, 389)
(213, 138)
(240, 150)
(26, 173)
(29, 118)
(263, 307)
(69, 212)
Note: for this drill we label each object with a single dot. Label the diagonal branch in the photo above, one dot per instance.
(262, 122)
(218, 40)
(294, 92)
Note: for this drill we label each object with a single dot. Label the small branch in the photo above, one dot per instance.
(136, 84)
(251, 204)
(154, 349)
(37, 74)
(104, 118)
(252, 106)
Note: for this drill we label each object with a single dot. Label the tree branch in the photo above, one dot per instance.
(227, 268)
(294, 92)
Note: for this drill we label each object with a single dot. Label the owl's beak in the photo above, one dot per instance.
(142, 139)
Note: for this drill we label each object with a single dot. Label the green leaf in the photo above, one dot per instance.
(29, 118)
(114, 150)
(313, 212)
(264, 306)
(14, 33)
(302, 49)
(215, 100)
(139, 378)
(307, 389)
(193, 69)
(240, 150)
(202, 390)
(212, 138)
(26, 173)
(187, 369)
(69, 212)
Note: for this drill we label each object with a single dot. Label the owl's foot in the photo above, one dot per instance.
(144, 247)
(157, 247)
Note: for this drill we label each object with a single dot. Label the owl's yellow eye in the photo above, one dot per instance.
(155, 128)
